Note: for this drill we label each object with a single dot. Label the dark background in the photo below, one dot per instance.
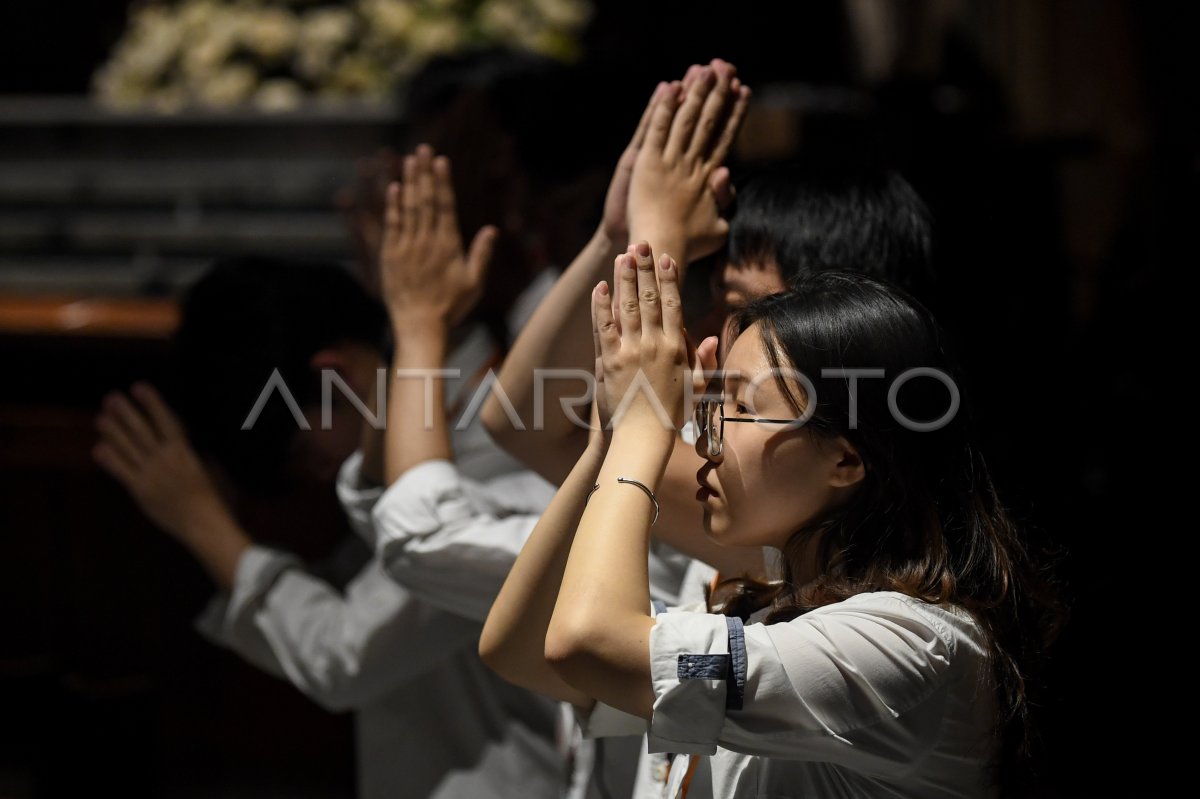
(1057, 148)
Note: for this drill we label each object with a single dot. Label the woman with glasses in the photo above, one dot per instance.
(895, 652)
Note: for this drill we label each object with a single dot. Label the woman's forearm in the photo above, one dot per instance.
(599, 635)
(558, 336)
(514, 636)
(416, 413)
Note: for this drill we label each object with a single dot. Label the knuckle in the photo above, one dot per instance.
(649, 295)
(629, 306)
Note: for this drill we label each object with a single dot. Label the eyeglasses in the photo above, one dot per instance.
(710, 423)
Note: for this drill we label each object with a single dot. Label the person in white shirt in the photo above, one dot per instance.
(895, 654)
(430, 719)
(787, 222)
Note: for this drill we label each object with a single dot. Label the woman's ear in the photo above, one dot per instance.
(846, 465)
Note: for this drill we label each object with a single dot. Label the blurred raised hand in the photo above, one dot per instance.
(144, 447)
(679, 184)
(426, 276)
(614, 224)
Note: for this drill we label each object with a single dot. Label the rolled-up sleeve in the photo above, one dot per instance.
(452, 540)
(689, 660)
(859, 683)
(358, 497)
(342, 650)
(229, 618)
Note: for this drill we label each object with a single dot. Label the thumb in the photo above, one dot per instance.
(479, 256)
(704, 363)
(706, 354)
(720, 183)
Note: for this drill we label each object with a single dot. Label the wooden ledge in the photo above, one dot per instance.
(114, 317)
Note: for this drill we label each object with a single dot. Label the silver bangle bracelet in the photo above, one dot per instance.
(637, 483)
(649, 493)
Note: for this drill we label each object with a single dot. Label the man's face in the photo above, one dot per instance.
(318, 453)
(741, 284)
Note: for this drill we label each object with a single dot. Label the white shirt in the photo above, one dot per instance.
(453, 540)
(879, 695)
(450, 532)
(431, 720)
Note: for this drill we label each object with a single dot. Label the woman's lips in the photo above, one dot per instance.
(706, 490)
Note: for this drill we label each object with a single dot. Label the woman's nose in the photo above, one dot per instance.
(702, 449)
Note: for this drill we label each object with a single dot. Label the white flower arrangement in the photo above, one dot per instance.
(276, 54)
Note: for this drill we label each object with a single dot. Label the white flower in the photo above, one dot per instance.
(329, 28)
(196, 15)
(229, 86)
(154, 44)
(180, 51)
(271, 33)
(356, 76)
(209, 47)
(324, 32)
(437, 35)
(279, 94)
(568, 15)
(392, 20)
(500, 18)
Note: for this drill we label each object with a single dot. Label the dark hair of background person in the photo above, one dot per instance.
(805, 220)
(532, 142)
(244, 318)
(926, 521)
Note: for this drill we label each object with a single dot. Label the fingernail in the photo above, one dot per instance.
(643, 249)
(603, 288)
(629, 263)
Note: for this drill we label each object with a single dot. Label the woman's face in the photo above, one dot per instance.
(769, 480)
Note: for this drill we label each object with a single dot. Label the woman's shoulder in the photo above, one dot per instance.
(954, 625)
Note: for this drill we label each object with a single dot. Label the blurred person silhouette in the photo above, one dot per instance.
(268, 355)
